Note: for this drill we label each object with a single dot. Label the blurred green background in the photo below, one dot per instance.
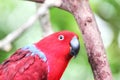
(13, 13)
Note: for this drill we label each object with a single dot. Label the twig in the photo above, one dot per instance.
(45, 22)
(5, 44)
(94, 45)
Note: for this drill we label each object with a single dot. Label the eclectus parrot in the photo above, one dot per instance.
(44, 60)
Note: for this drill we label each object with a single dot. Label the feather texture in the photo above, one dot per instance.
(23, 65)
(45, 60)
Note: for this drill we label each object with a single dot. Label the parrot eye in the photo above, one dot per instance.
(61, 37)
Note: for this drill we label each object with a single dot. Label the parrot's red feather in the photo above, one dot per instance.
(45, 60)
(22, 67)
(57, 52)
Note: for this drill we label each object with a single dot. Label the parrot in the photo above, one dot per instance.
(46, 59)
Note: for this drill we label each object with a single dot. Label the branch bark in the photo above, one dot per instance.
(93, 42)
(94, 45)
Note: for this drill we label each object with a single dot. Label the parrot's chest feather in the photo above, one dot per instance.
(35, 51)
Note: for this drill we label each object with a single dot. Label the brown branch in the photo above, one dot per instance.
(93, 42)
(94, 45)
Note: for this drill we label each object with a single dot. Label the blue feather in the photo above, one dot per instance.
(35, 51)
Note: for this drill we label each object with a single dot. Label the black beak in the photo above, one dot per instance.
(75, 46)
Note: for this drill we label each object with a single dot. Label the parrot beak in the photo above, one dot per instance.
(75, 46)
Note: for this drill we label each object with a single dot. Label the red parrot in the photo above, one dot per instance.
(44, 60)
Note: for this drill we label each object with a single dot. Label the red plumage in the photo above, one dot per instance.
(19, 67)
(45, 60)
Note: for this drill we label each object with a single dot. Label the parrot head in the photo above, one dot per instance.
(59, 48)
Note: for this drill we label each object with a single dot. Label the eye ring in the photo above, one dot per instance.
(61, 37)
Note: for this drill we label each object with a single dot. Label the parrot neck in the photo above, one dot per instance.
(56, 67)
(57, 59)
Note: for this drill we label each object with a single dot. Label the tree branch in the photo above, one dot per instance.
(45, 22)
(5, 44)
(94, 45)
(93, 42)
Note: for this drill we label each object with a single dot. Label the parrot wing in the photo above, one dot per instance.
(23, 66)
